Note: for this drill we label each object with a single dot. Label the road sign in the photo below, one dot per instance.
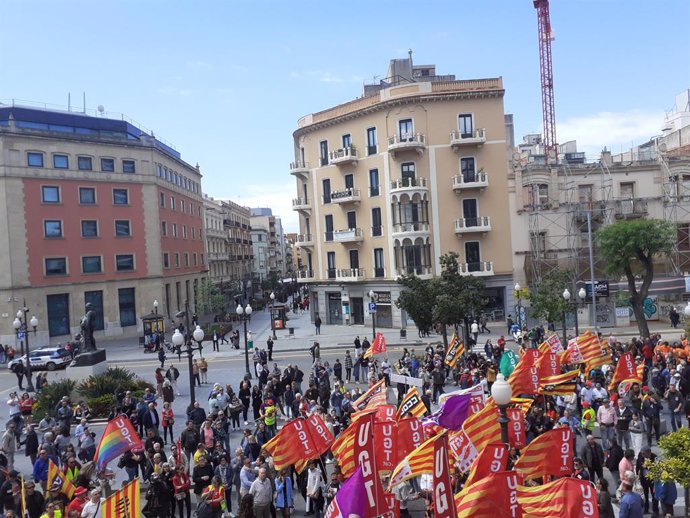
(21, 335)
(372, 307)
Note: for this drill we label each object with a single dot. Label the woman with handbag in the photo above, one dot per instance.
(181, 485)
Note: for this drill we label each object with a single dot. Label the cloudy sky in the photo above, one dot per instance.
(226, 81)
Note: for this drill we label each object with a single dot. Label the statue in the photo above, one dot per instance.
(87, 324)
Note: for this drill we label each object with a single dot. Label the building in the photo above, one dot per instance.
(94, 210)
(268, 244)
(389, 182)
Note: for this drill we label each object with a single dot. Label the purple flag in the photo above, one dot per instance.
(350, 500)
(452, 413)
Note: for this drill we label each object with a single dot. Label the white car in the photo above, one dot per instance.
(45, 358)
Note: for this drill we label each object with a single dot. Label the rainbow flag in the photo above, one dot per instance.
(118, 437)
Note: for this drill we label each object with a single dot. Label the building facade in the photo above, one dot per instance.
(268, 242)
(387, 183)
(228, 242)
(94, 210)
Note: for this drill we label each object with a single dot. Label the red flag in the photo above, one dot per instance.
(549, 454)
(443, 492)
(375, 396)
(378, 346)
(291, 444)
(492, 459)
(626, 370)
(321, 436)
(385, 414)
(365, 457)
(516, 428)
(410, 436)
(393, 506)
(494, 496)
(463, 449)
(563, 498)
(525, 377)
(385, 439)
(549, 365)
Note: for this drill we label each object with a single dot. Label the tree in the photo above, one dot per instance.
(418, 300)
(546, 298)
(674, 462)
(271, 283)
(629, 247)
(210, 300)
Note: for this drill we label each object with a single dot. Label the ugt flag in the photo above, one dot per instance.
(118, 437)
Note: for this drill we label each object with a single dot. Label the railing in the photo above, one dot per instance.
(348, 235)
(349, 274)
(345, 195)
(416, 226)
(634, 207)
(300, 203)
(473, 180)
(458, 138)
(477, 268)
(305, 274)
(478, 224)
(304, 239)
(405, 183)
(343, 155)
(414, 269)
(405, 140)
(299, 165)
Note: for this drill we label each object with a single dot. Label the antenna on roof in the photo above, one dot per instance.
(100, 109)
(84, 108)
(69, 102)
(409, 52)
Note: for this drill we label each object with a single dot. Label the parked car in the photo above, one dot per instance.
(45, 358)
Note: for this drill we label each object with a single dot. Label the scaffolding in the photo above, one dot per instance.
(675, 172)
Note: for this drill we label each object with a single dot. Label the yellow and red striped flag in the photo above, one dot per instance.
(589, 345)
(418, 461)
(482, 427)
(562, 498)
(552, 344)
(560, 384)
(378, 346)
(411, 403)
(493, 496)
(58, 478)
(525, 377)
(491, 459)
(455, 350)
(125, 502)
(599, 361)
(343, 450)
(375, 396)
(549, 454)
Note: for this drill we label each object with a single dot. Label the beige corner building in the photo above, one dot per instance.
(387, 183)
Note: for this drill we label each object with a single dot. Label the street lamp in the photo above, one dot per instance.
(519, 305)
(178, 339)
(155, 306)
(20, 327)
(272, 296)
(502, 393)
(245, 314)
(373, 298)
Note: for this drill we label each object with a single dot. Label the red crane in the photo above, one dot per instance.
(547, 103)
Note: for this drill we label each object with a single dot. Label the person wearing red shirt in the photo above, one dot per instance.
(181, 484)
(215, 496)
(81, 496)
(501, 343)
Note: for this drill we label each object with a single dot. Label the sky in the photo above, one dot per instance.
(226, 81)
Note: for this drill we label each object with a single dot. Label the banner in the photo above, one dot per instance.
(385, 439)
(549, 365)
(393, 506)
(378, 346)
(321, 436)
(492, 459)
(572, 354)
(443, 491)
(562, 498)
(463, 450)
(407, 380)
(411, 403)
(118, 437)
(476, 393)
(124, 503)
(455, 350)
(552, 344)
(494, 496)
(375, 396)
(525, 377)
(549, 454)
(516, 428)
(58, 478)
(365, 458)
(626, 370)
(410, 436)
(350, 499)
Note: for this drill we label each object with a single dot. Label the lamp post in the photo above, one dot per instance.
(502, 394)
(178, 339)
(373, 298)
(517, 288)
(581, 294)
(273, 322)
(155, 306)
(245, 314)
(22, 331)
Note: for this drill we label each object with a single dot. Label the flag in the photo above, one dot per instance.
(482, 428)
(125, 502)
(589, 345)
(350, 500)
(492, 459)
(516, 428)
(321, 436)
(494, 496)
(626, 370)
(476, 392)
(23, 499)
(418, 462)
(118, 437)
(508, 363)
(410, 435)
(560, 384)
(444, 506)
(411, 403)
(549, 454)
(599, 361)
(562, 498)
(572, 354)
(375, 396)
(463, 450)
(292, 443)
(525, 377)
(551, 345)
(549, 364)
(452, 412)
(385, 445)
(455, 350)
(378, 346)
(343, 450)
(365, 454)
(57, 478)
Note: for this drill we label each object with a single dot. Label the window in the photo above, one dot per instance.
(181, 205)
(541, 193)
(186, 259)
(326, 182)
(184, 231)
(175, 178)
(159, 170)
(407, 171)
(628, 190)
(164, 228)
(166, 260)
(469, 212)
(84, 163)
(329, 227)
(162, 200)
(467, 170)
(122, 228)
(194, 259)
(89, 228)
(52, 228)
(50, 194)
(372, 147)
(172, 203)
(323, 153)
(128, 313)
(124, 263)
(349, 182)
(347, 140)
(58, 314)
(193, 233)
(174, 229)
(584, 194)
(56, 266)
(472, 256)
(351, 219)
(34, 159)
(128, 166)
(87, 195)
(120, 197)
(177, 260)
(378, 263)
(202, 258)
(107, 165)
(376, 229)
(95, 298)
(91, 264)
(60, 162)
(374, 182)
(330, 260)
(354, 259)
(465, 125)
(406, 129)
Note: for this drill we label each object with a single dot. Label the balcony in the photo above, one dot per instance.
(304, 240)
(410, 229)
(597, 209)
(305, 275)
(423, 272)
(473, 225)
(406, 142)
(301, 204)
(480, 269)
(346, 196)
(409, 185)
(465, 182)
(300, 169)
(348, 235)
(349, 275)
(343, 156)
(459, 139)
(631, 209)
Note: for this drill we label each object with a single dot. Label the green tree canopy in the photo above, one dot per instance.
(418, 300)
(210, 300)
(547, 297)
(628, 247)
(674, 462)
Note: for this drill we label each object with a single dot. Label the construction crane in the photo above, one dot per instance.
(547, 103)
